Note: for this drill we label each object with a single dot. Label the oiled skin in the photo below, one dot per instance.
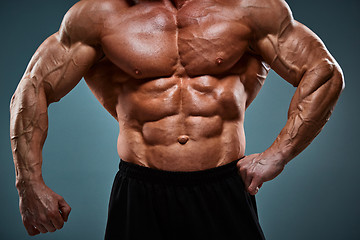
(178, 77)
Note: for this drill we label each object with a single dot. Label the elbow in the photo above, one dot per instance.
(337, 79)
(332, 75)
(336, 75)
(12, 100)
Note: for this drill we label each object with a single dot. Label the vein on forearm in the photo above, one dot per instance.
(29, 115)
(28, 118)
(310, 109)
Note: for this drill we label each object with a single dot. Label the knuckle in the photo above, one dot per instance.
(250, 173)
(256, 175)
(26, 219)
(52, 214)
(238, 164)
(42, 219)
(244, 169)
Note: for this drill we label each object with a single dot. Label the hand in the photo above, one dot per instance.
(256, 169)
(42, 210)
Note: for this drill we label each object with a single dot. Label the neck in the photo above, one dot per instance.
(178, 3)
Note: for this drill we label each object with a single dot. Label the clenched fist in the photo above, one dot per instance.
(42, 210)
(255, 169)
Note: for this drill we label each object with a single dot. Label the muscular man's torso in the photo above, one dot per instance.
(178, 81)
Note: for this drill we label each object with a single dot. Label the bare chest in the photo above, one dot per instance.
(152, 40)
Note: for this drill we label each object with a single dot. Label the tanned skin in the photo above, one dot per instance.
(178, 77)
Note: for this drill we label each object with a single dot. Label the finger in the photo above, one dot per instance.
(64, 209)
(254, 186)
(49, 227)
(241, 171)
(238, 164)
(57, 221)
(248, 181)
(41, 228)
(32, 231)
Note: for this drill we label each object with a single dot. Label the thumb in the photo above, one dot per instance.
(64, 209)
(255, 185)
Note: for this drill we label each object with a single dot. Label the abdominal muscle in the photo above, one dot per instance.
(181, 124)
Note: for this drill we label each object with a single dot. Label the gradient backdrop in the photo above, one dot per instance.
(316, 197)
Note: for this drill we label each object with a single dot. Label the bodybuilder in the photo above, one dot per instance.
(177, 76)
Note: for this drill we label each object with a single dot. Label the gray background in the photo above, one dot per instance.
(316, 197)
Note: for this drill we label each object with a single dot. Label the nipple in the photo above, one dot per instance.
(183, 139)
(137, 72)
(219, 60)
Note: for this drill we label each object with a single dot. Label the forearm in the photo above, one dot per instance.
(310, 109)
(53, 71)
(28, 129)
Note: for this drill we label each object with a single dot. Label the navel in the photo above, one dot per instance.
(183, 139)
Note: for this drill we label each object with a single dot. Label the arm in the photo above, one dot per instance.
(301, 58)
(56, 67)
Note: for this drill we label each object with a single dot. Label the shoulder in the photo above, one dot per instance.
(267, 16)
(84, 21)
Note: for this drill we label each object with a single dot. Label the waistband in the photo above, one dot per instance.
(135, 171)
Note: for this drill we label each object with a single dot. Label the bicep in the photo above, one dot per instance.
(57, 67)
(295, 51)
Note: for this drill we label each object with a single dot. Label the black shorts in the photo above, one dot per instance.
(153, 204)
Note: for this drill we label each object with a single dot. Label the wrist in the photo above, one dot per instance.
(29, 181)
(279, 157)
